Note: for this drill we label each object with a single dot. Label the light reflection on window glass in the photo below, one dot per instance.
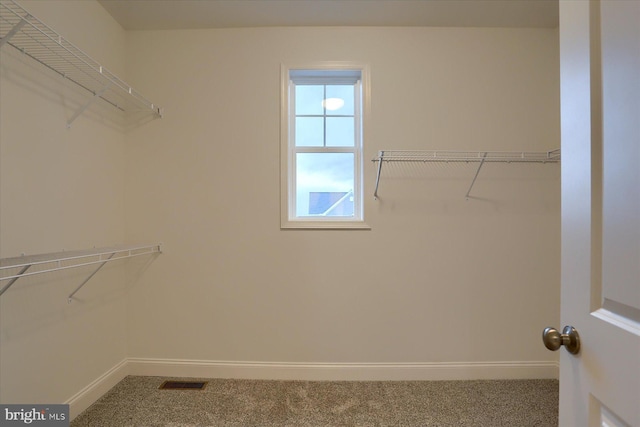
(344, 92)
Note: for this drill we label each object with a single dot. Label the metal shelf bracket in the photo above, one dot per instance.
(380, 160)
(87, 105)
(484, 157)
(13, 31)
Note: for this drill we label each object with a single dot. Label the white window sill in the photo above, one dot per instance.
(325, 225)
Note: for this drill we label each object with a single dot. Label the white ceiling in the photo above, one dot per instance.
(190, 14)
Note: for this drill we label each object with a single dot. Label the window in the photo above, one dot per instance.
(322, 138)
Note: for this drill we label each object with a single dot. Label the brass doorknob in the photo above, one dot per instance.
(569, 338)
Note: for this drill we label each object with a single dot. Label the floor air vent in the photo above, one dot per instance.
(183, 385)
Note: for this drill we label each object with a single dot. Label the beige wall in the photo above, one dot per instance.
(437, 279)
(60, 189)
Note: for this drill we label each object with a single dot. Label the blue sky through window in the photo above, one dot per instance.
(322, 172)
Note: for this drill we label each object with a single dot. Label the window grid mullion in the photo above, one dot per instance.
(357, 143)
(329, 149)
(292, 153)
(324, 117)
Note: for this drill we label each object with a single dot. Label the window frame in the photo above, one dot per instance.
(288, 150)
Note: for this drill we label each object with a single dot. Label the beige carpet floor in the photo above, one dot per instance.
(137, 401)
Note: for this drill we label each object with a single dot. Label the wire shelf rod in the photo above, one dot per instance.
(32, 37)
(468, 156)
(61, 65)
(45, 53)
(80, 260)
(444, 156)
(35, 260)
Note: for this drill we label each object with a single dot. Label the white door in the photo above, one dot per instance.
(600, 113)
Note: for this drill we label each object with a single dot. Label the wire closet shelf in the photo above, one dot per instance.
(35, 39)
(12, 269)
(481, 157)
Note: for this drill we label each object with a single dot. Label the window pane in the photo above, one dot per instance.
(309, 100)
(346, 94)
(324, 184)
(340, 132)
(309, 131)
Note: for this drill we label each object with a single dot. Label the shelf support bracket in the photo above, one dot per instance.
(380, 157)
(89, 278)
(484, 157)
(12, 281)
(13, 31)
(87, 105)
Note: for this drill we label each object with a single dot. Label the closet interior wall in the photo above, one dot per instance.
(436, 280)
(60, 189)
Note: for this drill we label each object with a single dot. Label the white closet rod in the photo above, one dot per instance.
(71, 260)
(427, 156)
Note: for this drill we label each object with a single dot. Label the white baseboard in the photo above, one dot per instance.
(95, 390)
(308, 372)
(344, 371)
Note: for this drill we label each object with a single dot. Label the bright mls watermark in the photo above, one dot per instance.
(34, 415)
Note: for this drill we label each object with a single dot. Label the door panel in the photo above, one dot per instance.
(600, 109)
(620, 47)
